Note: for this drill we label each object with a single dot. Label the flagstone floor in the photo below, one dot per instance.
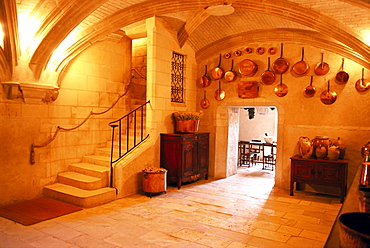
(244, 210)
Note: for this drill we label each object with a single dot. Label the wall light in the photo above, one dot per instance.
(220, 9)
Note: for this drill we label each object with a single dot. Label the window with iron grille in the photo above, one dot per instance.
(177, 77)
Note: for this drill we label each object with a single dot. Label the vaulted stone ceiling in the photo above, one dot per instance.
(341, 26)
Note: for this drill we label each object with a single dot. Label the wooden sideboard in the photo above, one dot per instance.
(320, 172)
(185, 157)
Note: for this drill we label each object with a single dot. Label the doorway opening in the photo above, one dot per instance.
(257, 145)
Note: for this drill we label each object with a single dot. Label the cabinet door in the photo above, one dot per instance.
(203, 154)
(304, 170)
(330, 173)
(189, 164)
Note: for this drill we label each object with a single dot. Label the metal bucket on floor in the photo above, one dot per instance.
(155, 180)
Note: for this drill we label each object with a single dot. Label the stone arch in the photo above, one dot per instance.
(221, 157)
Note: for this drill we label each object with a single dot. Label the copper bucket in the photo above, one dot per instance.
(187, 126)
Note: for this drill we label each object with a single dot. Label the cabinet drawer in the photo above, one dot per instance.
(303, 170)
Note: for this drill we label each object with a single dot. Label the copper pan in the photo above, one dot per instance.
(328, 97)
(268, 77)
(220, 93)
(204, 80)
(280, 65)
(322, 68)
(362, 84)
(310, 90)
(217, 72)
(301, 67)
(281, 89)
(342, 76)
(247, 67)
(204, 103)
(230, 75)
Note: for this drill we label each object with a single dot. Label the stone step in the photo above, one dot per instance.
(92, 170)
(79, 197)
(81, 181)
(97, 160)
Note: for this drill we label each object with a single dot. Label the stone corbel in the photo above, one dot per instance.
(30, 92)
(34, 93)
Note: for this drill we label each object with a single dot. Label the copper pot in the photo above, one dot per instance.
(322, 68)
(247, 67)
(327, 96)
(217, 72)
(280, 65)
(310, 90)
(230, 75)
(268, 77)
(342, 76)
(204, 80)
(301, 68)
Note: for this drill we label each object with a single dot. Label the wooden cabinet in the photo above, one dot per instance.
(185, 156)
(320, 172)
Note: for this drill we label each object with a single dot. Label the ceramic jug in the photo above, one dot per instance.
(321, 141)
(321, 152)
(305, 147)
(333, 153)
(341, 147)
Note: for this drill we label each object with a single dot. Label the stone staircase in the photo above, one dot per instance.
(85, 184)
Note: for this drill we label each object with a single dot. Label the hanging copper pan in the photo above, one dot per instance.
(322, 68)
(230, 75)
(280, 65)
(327, 96)
(301, 67)
(247, 67)
(342, 76)
(218, 72)
(362, 84)
(281, 89)
(310, 90)
(204, 103)
(204, 80)
(220, 93)
(268, 77)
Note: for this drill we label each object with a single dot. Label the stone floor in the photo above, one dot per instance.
(244, 210)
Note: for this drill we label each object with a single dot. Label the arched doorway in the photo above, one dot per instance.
(227, 137)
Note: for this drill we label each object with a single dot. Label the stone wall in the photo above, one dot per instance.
(298, 115)
(90, 83)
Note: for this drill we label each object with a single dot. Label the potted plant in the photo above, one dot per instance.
(187, 121)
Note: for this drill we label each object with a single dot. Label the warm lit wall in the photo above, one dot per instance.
(298, 116)
(161, 43)
(91, 82)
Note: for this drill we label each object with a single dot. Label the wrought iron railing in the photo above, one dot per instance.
(131, 128)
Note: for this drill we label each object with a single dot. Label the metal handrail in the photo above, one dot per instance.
(124, 124)
(59, 128)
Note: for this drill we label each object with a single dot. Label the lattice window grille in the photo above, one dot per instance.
(177, 77)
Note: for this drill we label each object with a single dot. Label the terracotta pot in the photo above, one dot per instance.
(333, 153)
